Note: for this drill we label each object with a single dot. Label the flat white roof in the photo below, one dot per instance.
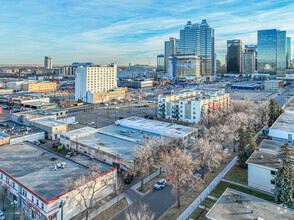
(79, 131)
(49, 122)
(156, 127)
(285, 122)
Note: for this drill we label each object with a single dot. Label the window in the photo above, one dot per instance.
(273, 172)
(1, 176)
(7, 180)
(37, 202)
(24, 192)
(13, 184)
(273, 182)
(33, 198)
(42, 205)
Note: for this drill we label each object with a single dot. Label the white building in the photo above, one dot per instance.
(233, 205)
(40, 180)
(95, 79)
(283, 127)
(191, 106)
(48, 62)
(67, 70)
(263, 164)
(273, 85)
(169, 50)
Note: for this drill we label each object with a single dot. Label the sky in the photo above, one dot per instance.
(126, 31)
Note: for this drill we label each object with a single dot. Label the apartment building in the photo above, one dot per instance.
(44, 86)
(273, 85)
(94, 79)
(191, 106)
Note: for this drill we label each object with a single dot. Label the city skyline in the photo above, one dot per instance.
(104, 32)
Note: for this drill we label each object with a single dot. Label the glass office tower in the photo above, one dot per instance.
(271, 46)
(234, 56)
(198, 39)
(288, 52)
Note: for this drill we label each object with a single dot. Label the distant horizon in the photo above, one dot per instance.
(124, 31)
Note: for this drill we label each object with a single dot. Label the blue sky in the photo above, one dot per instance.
(125, 31)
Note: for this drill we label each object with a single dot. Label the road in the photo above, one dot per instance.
(157, 201)
(281, 98)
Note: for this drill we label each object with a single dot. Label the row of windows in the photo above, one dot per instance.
(8, 181)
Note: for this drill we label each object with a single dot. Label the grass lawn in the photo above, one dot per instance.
(112, 210)
(237, 174)
(222, 186)
(198, 214)
(208, 203)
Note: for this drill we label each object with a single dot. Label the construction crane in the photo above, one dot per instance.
(148, 60)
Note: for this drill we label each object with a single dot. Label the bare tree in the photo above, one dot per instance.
(139, 212)
(179, 167)
(118, 188)
(144, 158)
(89, 190)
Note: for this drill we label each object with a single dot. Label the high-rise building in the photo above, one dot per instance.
(184, 68)
(234, 56)
(272, 51)
(288, 52)
(249, 61)
(198, 39)
(169, 50)
(95, 79)
(252, 48)
(160, 62)
(48, 62)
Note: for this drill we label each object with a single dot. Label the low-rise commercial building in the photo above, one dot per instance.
(273, 85)
(136, 84)
(233, 205)
(191, 106)
(263, 164)
(114, 144)
(4, 138)
(18, 133)
(42, 182)
(283, 127)
(6, 91)
(114, 94)
(43, 86)
(52, 128)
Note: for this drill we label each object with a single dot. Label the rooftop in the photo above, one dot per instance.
(157, 127)
(264, 159)
(76, 132)
(14, 129)
(235, 205)
(49, 122)
(270, 146)
(35, 169)
(111, 144)
(285, 122)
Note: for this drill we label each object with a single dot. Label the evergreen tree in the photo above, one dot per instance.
(252, 146)
(284, 179)
(242, 147)
(274, 112)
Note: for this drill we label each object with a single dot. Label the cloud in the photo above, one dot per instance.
(126, 31)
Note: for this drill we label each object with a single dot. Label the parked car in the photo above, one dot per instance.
(42, 141)
(75, 122)
(37, 142)
(129, 179)
(160, 184)
(69, 154)
(2, 217)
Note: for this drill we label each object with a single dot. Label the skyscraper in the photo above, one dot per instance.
(198, 39)
(252, 48)
(288, 52)
(234, 56)
(48, 62)
(249, 59)
(272, 51)
(169, 50)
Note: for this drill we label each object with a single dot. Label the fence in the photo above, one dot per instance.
(207, 191)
